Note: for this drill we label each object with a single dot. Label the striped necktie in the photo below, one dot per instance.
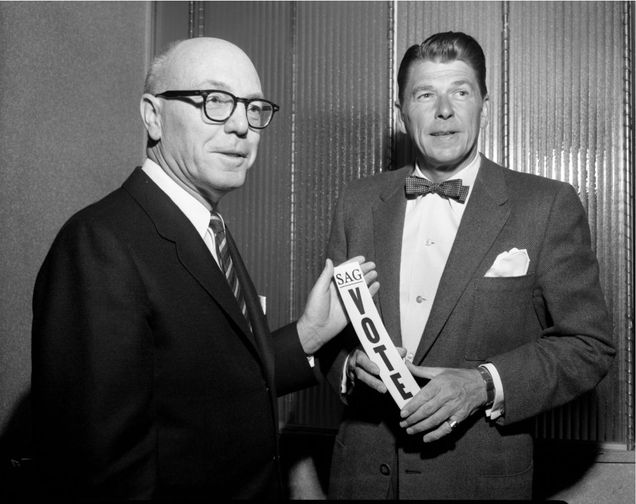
(225, 259)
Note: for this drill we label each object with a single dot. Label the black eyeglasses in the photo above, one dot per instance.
(218, 106)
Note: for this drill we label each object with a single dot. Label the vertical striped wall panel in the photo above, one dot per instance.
(559, 76)
(567, 123)
(342, 110)
(342, 113)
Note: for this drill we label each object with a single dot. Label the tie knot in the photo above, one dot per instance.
(418, 186)
(216, 222)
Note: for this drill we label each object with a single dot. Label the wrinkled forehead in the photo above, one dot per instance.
(441, 70)
(210, 65)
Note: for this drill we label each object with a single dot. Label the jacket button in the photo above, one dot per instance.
(385, 469)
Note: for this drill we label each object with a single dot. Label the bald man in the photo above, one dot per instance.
(155, 375)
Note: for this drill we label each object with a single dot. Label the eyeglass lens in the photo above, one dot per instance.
(219, 107)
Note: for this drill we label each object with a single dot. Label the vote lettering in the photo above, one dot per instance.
(372, 334)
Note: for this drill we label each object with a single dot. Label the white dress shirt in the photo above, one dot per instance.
(193, 209)
(430, 227)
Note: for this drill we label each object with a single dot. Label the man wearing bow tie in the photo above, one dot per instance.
(490, 285)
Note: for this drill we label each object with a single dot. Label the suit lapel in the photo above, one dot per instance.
(388, 224)
(260, 329)
(195, 257)
(486, 213)
(172, 225)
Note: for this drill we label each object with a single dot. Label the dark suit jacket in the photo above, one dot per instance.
(147, 382)
(548, 333)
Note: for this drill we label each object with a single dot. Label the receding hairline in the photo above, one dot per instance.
(158, 72)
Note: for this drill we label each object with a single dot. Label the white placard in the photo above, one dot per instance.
(372, 334)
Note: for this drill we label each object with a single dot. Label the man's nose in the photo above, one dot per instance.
(443, 108)
(237, 122)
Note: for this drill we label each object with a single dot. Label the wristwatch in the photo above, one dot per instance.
(490, 385)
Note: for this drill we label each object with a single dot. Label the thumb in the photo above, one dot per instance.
(325, 276)
(424, 371)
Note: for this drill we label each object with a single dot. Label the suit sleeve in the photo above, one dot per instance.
(574, 350)
(293, 371)
(92, 367)
(334, 353)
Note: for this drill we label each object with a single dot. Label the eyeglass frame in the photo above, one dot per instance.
(204, 93)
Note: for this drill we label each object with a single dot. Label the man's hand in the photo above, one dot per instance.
(449, 398)
(361, 368)
(324, 315)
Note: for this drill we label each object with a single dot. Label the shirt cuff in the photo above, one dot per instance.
(343, 380)
(497, 408)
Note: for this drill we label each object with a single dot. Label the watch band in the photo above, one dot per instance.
(490, 385)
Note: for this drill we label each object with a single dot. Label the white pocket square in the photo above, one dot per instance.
(513, 263)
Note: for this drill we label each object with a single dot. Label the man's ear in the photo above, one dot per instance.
(150, 108)
(485, 113)
(400, 118)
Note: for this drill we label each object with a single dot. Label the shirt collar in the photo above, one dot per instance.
(193, 209)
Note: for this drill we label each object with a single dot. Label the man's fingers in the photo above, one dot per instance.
(370, 381)
(361, 359)
(422, 405)
(426, 418)
(367, 267)
(443, 430)
(423, 371)
(374, 288)
(358, 259)
(365, 370)
(324, 280)
(371, 275)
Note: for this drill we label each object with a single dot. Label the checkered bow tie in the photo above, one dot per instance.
(416, 186)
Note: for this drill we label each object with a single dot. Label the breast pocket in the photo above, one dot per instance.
(501, 317)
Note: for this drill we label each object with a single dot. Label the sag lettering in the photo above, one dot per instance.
(349, 277)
